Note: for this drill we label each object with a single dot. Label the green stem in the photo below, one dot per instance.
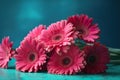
(114, 61)
(114, 50)
(114, 57)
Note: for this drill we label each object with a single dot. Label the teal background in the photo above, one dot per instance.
(18, 17)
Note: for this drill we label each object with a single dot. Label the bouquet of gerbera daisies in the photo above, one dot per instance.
(65, 47)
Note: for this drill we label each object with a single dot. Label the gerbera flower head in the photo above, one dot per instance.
(87, 30)
(58, 34)
(36, 32)
(31, 56)
(97, 57)
(67, 63)
(6, 52)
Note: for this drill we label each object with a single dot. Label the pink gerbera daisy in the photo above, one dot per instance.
(6, 52)
(31, 56)
(97, 57)
(36, 32)
(58, 34)
(67, 63)
(87, 31)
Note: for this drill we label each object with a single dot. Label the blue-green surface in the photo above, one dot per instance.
(113, 73)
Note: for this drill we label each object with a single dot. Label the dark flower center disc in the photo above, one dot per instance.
(32, 57)
(66, 61)
(91, 59)
(57, 38)
(81, 31)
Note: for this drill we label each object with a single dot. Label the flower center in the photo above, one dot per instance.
(32, 57)
(66, 61)
(57, 37)
(81, 31)
(91, 59)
